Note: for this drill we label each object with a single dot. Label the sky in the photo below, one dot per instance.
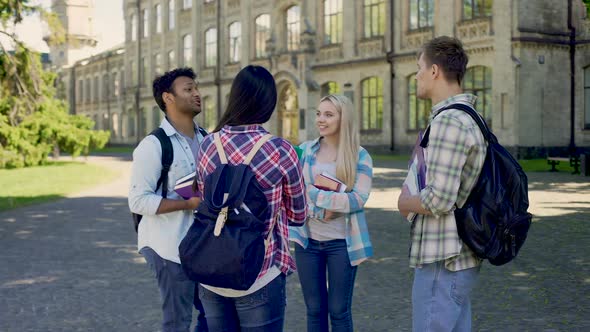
(108, 26)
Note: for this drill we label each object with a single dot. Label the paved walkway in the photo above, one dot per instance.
(72, 265)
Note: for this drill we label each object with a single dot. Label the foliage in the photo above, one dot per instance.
(587, 3)
(33, 122)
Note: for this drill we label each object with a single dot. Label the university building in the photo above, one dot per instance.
(521, 56)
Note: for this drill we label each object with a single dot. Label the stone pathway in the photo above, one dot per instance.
(71, 265)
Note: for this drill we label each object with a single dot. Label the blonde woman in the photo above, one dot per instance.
(334, 239)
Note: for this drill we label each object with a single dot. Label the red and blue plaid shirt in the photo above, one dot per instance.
(278, 172)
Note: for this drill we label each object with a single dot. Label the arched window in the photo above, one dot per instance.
(421, 14)
(187, 46)
(133, 27)
(473, 9)
(372, 103)
(419, 109)
(171, 15)
(158, 63)
(115, 125)
(478, 81)
(158, 17)
(211, 47)
(235, 41)
(373, 18)
(146, 23)
(262, 34)
(293, 27)
(332, 22)
(209, 113)
(330, 88)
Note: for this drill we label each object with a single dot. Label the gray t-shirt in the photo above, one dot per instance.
(332, 229)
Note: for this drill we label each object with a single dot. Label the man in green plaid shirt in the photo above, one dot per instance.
(445, 269)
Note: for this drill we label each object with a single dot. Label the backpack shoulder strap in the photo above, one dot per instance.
(487, 134)
(219, 146)
(167, 159)
(256, 147)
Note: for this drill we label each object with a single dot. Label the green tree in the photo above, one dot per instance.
(33, 122)
(587, 3)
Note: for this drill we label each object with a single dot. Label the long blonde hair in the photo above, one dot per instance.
(349, 141)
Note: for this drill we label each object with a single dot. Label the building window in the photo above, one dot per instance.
(116, 84)
(211, 47)
(146, 23)
(235, 42)
(374, 18)
(587, 98)
(87, 90)
(332, 22)
(144, 74)
(421, 14)
(473, 9)
(104, 95)
(133, 73)
(80, 94)
(478, 81)
(122, 85)
(171, 60)
(158, 64)
(158, 17)
(133, 27)
(131, 124)
(96, 86)
(293, 28)
(419, 109)
(186, 4)
(171, 15)
(330, 88)
(262, 34)
(210, 114)
(209, 1)
(115, 125)
(187, 44)
(372, 103)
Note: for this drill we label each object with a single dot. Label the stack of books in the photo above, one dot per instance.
(184, 186)
(416, 178)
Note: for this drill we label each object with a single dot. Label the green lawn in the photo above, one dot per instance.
(31, 185)
(541, 165)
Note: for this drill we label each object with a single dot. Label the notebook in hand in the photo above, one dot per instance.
(328, 182)
(184, 186)
(416, 178)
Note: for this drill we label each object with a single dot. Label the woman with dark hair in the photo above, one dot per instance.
(252, 100)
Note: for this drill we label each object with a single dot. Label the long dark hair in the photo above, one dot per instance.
(252, 99)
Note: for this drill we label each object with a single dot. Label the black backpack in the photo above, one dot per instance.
(494, 220)
(225, 246)
(167, 159)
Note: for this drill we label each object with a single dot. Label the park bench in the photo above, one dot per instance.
(574, 162)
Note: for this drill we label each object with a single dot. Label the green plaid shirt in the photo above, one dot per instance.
(454, 158)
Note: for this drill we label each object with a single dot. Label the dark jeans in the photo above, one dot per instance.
(176, 292)
(335, 299)
(261, 311)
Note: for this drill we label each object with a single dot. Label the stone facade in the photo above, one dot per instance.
(519, 64)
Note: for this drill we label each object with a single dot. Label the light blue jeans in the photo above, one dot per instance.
(441, 298)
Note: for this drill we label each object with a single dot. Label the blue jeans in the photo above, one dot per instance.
(176, 292)
(336, 298)
(261, 311)
(441, 298)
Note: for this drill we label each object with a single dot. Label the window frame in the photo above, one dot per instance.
(370, 5)
(483, 105)
(378, 100)
(187, 50)
(419, 16)
(293, 28)
(234, 41)
(332, 10)
(474, 16)
(210, 47)
(259, 44)
(419, 106)
(586, 73)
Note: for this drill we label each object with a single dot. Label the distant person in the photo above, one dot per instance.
(445, 269)
(252, 100)
(166, 221)
(335, 238)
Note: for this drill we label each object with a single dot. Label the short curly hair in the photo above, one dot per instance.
(163, 83)
(447, 53)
